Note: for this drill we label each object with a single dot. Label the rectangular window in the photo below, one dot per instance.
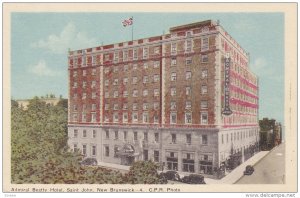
(156, 119)
(156, 92)
(135, 54)
(116, 135)
(188, 138)
(106, 82)
(125, 81)
(75, 148)
(204, 104)
(75, 74)
(93, 84)
(145, 155)
(145, 136)
(106, 94)
(94, 150)
(83, 72)
(125, 67)
(116, 57)
(116, 82)
(204, 58)
(75, 85)
(134, 106)
(125, 135)
(222, 137)
(173, 119)
(145, 65)
(156, 156)
(134, 66)
(94, 133)
(83, 96)
(145, 79)
(156, 105)
(204, 73)
(173, 91)
(125, 117)
(116, 117)
(173, 61)
(106, 57)
(156, 78)
(134, 80)
(145, 52)
(145, 106)
(188, 61)
(188, 118)
(125, 55)
(74, 107)
(204, 139)
(135, 136)
(204, 44)
(204, 89)
(135, 117)
(116, 150)
(75, 133)
(173, 138)
(173, 48)
(188, 105)
(106, 70)
(125, 94)
(145, 117)
(106, 148)
(84, 84)
(75, 117)
(173, 76)
(93, 72)
(94, 95)
(188, 45)
(116, 94)
(188, 91)
(116, 106)
(84, 149)
(156, 137)
(125, 106)
(157, 50)
(107, 134)
(156, 64)
(145, 92)
(188, 75)
(204, 118)
(93, 107)
(106, 106)
(83, 117)
(116, 69)
(93, 117)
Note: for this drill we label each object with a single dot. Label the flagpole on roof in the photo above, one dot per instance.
(132, 29)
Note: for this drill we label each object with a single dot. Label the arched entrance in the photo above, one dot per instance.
(127, 154)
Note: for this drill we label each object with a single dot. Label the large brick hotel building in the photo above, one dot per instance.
(186, 99)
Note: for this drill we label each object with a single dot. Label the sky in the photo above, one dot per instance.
(40, 42)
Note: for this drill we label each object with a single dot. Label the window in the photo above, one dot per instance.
(188, 61)
(125, 135)
(145, 155)
(188, 105)
(188, 138)
(173, 138)
(125, 81)
(83, 72)
(125, 55)
(134, 80)
(116, 150)
(134, 66)
(94, 149)
(188, 45)
(93, 84)
(75, 147)
(107, 134)
(222, 138)
(173, 61)
(156, 156)
(135, 117)
(173, 119)
(116, 94)
(94, 133)
(204, 118)
(135, 136)
(204, 44)
(106, 106)
(84, 149)
(134, 106)
(146, 136)
(125, 117)
(188, 91)
(125, 106)
(188, 34)
(94, 95)
(75, 95)
(204, 73)
(145, 52)
(188, 162)
(188, 75)
(173, 105)
(106, 94)
(156, 50)
(188, 118)
(204, 58)
(204, 89)
(173, 91)
(74, 107)
(125, 94)
(204, 104)
(84, 84)
(83, 95)
(75, 74)
(135, 54)
(84, 107)
(145, 65)
(93, 107)
(106, 148)
(173, 76)
(156, 105)
(93, 118)
(116, 117)
(145, 106)
(156, 78)
(75, 133)
(206, 164)
(116, 57)
(156, 92)
(75, 85)
(156, 64)
(145, 79)
(155, 119)
(145, 92)
(106, 118)
(156, 137)
(116, 135)
(116, 69)
(106, 70)
(173, 48)
(204, 139)
(106, 57)
(83, 117)
(116, 82)
(125, 67)
(106, 82)
(116, 106)
(93, 72)
(145, 117)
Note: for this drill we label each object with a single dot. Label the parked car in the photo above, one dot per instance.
(193, 179)
(89, 162)
(172, 175)
(249, 170)
(163, 178)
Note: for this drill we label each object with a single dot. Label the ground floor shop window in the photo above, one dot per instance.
(172, 161)
(188, 162)
(205, 164)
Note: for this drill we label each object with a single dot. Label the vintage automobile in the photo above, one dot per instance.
(89, 162)
(193, 179)
(172, 175)
(249, 170)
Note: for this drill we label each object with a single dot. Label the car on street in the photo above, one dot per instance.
(193, 179)
(172, 175)
(89, 162)
(249, 170)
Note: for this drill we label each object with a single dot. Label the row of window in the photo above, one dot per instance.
(188, 75)
(239, 135)
(188, 118)
(146, 65)
(134, 118)
(84, 117)
(85, 95)
(146, 106)
(84, 84)
(189, 60)
(134, 93)
(146, 79)
(84, 72)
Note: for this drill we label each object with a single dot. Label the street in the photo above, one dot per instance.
(270, 170)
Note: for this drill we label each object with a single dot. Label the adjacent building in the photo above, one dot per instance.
(270, 133)
(186, 100)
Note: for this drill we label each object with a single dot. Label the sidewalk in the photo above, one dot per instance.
(238, 172)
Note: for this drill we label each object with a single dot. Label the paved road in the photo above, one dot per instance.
(270, 170)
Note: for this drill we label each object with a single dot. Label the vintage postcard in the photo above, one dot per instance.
(149, 97)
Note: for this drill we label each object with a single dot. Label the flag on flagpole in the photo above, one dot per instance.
(128, 22)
